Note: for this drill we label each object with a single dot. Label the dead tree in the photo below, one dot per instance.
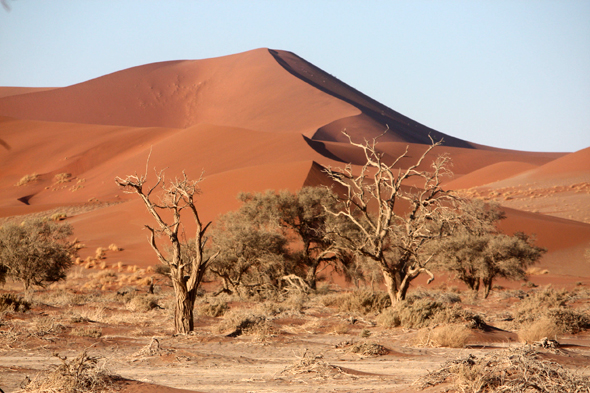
(396, 240)
(187, 268)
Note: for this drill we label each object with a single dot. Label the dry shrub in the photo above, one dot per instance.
(363, 301)
(58, 216)
(62, 177)
(568, 320)
(311, 366)
(114, 247)
(543, 328)
(245, 322)
(82, 374)
(13, 303)
(46, 326)
(87, 331)
(100, 253)
(530, 308)
(27, 179)
(550, 307)
(437, 295)
(366, 348)
(214, 309)
(142, 303)
(449, 336)
(511, 371)
(425, 312)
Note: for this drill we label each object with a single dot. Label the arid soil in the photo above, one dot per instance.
(301, 346)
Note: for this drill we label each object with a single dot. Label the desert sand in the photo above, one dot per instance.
(258, 120)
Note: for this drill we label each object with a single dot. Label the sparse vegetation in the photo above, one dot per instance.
(398, 243)
(11, 302)
(81, 374)
(186, 269)
(425, 312)
(33, 177)
(36, 252)
(513, 371)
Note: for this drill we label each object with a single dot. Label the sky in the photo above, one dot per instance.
(512, 74)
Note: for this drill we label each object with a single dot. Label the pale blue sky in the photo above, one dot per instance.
(512, 74)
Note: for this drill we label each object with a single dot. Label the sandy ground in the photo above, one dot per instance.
(139, 346)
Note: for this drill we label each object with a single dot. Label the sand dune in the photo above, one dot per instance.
(258, 120)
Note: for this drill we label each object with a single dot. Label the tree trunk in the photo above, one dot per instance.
(310, 277)
(403, 290)
(391, 285)
(183, 310)
(487, 287)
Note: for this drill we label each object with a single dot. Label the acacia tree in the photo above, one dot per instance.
(186, 268)
(252, 258)
(36, 252)
(477, 252)
(396, 240)
(300, 217)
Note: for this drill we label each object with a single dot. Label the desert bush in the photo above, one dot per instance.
(114, 247)
(363, 301)
(36, 252)
(569, 320)
(14, 303)
(436, 295)
(88, 331)
(366, 348)
(311, 366)
(100, 253)
(62, 177)
(58, 216)
(511, 371)
(422, 313)
(537, 303)
(213, 309)
(535, 331)
(450, 336)
(27, 179)
(142, 303)
(245, 322)
(550, 306)
(81, 374)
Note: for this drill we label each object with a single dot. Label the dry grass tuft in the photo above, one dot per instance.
(81, 374)
(361, 301)
(13, 303)
(449, 336)
(27, 179)
(114, 247)
(214, 309)
(366, 348)
(309, 366)
(543, 328)
(142, 303)
(245, 322)
(425, 312)
(88, 331)
(62, 177)
(511, 371)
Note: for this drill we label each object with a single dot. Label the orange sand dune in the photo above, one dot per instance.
(6, 91)
(569, 169)
(566, 240)
(489, 174)
(249, 90)
(254, 121)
